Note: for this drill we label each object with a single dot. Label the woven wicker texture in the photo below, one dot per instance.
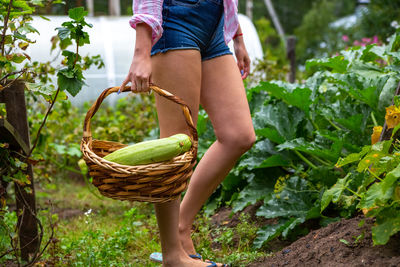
(157, 182)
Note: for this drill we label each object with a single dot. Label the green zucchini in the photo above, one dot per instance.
(151, 151)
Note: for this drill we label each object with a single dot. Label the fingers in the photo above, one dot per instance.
(123, 84)
(141, 83)
(240, 66)
(138, 84)
(244, 67)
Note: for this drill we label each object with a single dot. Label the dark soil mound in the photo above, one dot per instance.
(323, 247)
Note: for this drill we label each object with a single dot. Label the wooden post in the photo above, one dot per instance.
(90, 7)
(275, 20)
(291, 55)
(14, 97)
(114, 8)
(249, 9)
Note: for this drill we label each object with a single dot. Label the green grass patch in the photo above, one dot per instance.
(96, 231)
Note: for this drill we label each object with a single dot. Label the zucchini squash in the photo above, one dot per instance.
(151, 151)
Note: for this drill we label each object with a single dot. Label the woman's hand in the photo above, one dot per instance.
(139, 74)
(140, 71)
(242, 57)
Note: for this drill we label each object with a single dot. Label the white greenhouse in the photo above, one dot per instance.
(113, 39)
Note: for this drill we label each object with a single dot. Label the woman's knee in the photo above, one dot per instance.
(240, 141)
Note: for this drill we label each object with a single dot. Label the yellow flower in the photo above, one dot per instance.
(280, 184)
(376, 133)
(392, 116)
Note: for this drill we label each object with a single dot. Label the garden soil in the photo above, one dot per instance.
(336, 246)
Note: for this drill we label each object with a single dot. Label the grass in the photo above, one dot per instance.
(105, 232)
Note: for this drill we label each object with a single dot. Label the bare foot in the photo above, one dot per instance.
(187, 244)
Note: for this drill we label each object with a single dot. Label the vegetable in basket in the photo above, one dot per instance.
(151, 151)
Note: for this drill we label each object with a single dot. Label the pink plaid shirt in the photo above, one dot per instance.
(150, 12)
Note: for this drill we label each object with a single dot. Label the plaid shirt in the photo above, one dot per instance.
(150, 12)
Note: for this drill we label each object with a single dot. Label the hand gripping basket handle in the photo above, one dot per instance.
(87, 134)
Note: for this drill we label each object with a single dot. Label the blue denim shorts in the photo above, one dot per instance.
(193, 24)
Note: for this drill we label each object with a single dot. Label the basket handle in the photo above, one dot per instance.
(87, 134)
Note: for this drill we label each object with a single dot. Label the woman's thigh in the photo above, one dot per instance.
(223, 96)
(179, 72)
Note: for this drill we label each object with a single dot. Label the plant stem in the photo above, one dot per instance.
(374, 119)
(305, 159)
(313, 123)
(13, 81)
(10, 74)
(321, 160)
(77, 49)
(376, 176)
(3, 36)
(43, 122)
(331, 123)
(354, 193)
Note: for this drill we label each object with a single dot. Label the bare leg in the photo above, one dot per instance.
(178, 72)
(224, 99)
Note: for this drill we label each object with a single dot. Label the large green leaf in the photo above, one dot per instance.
(390, 179)
(367, 70)
(77, 13)
(375, 196)
(353, 157)
(353, 123)
(369, 95)
(347, 115)
(274, 161)
(387, 93)
(270, 231)
(70, 81)
(334, 193)
(279, 116)
(63, 33)
(372, 53)
(270, 133)
(259, 188)
(394, 43)
(330, 153)
(295, 200)
(258, 154)
(388, 224)
(335, 64)
(298, 96)
(343, 137)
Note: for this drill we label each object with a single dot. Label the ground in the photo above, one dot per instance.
(225, 238)
(328, 247)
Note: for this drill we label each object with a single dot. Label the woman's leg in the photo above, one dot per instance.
(224, 99)
(179, 72)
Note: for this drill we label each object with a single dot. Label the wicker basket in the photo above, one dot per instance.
(156, 182)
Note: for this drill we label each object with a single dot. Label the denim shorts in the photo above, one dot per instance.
(193, 24)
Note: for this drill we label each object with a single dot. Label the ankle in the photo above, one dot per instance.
(175, 258)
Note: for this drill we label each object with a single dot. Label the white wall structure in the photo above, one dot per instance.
(114, 40)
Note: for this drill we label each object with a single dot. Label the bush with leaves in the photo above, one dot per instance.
(303, 129)
(39, 76)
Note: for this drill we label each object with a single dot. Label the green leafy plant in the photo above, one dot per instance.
(303, 130)
(376, 193)
(15, 16)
